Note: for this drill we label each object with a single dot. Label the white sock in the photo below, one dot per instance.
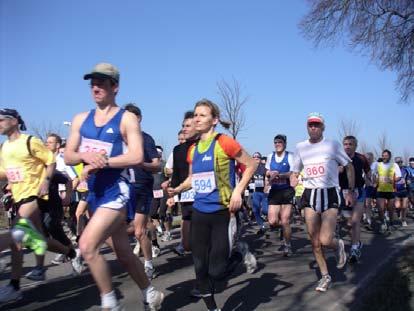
(109, 300)
(148, 263)
(146, 291)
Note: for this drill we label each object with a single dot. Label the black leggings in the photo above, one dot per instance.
(210, 247)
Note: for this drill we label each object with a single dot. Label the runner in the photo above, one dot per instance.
(370, 191)
(143, 181)
(386, 174)
(410, 181)
(259, 198)
(217, 199)
(97, 138)
(179, 175)
(401, 192)
(159, 204)
(281, 194)
(320, 159)
(28, 167)
(361, 168)
(54, 144)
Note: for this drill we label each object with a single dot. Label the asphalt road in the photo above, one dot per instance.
(279, 284)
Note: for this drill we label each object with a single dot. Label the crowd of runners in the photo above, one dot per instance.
(110, 180)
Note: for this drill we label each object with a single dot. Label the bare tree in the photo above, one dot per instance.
(383, 29)
(406, 156)
(383, 143)
(41, 130)
(231, 105)
(348, 127)
(363, 147)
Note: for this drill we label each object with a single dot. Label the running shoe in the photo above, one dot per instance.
(340, 255)
(3, 265)
(287, 251)
(154, 301)
(155, 251)
(179, 250)
(76, 263)
(249, 260)
(59, 258)
(195, 293)
(32, 238)
(261, 231)
(404, 223)
(150, 272)
(384, 227)
(159, 231)
(166, 237)
(118, 307)
(137, 248)
(37, 274)
(324, 283)
(8, 293)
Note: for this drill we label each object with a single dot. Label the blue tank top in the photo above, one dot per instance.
(401, 185)
(410, 177)
(205, 180)
(105, 185)
(281, 167)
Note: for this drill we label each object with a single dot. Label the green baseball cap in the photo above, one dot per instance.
(103, 71)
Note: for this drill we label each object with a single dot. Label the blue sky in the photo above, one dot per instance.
(172, 53)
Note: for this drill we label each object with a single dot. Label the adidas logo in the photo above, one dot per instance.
(206, 158)
(110, 131)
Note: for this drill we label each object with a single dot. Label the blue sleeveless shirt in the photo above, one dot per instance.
(281, 167)
(109, 184)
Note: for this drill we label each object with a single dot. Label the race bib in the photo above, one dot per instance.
(93, 145)
(83, 186)
(246, 193)
(315, 170)
(14, 174)
(252, 185)
(259, 183)
(158, 194)
(385, 179)
(203, 182)
(187, 196)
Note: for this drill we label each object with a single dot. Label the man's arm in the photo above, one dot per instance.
(153, 167)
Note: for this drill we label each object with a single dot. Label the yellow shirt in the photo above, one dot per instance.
(25, 172)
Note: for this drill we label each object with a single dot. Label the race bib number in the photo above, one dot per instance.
(315, 170)
(252, 185)
(14, 174)
(83, 186)
(93, 145)
(259, 183)
(246, 193)
(204, 182)
(385, 179)
(187, 196)
(158, 194)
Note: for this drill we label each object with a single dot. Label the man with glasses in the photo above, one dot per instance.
(281, 194)
(320, 158)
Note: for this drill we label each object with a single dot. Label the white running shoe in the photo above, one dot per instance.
(404, 223)
(59, 258)
(324, 283)
(3, 265)
(150, 272)
(155, 251)
(154, 301)
(137, 248)
(249, 259)
(166, 237)
(8, 293)
(76, 263)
